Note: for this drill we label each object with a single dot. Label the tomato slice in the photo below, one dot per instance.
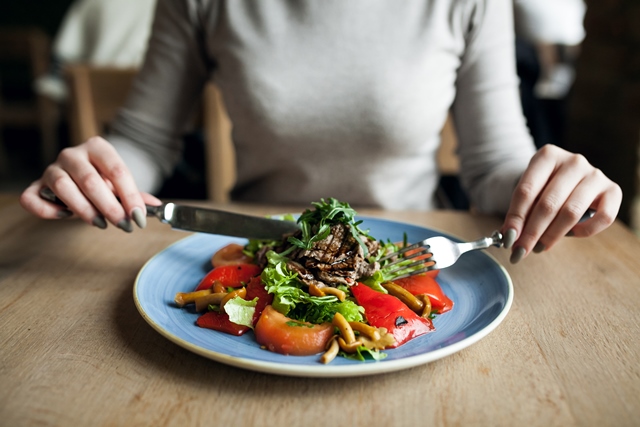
(387, 311)
(427, 284)
(230, 255)
(283, 335)
(233, 276)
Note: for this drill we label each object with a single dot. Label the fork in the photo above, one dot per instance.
(434, 253)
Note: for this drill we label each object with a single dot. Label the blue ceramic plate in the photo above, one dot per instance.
(480, 287)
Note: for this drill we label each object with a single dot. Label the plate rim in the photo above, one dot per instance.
(328, 370)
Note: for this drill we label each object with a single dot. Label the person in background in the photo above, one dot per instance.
(548, 38)
(341, 99)
(110, 33)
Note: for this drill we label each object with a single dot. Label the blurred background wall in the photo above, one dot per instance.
(604, 108)
(19, 139)
(43, 14)
(65, 65)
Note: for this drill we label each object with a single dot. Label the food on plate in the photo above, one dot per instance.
(322, 290)
(280, 334)
(231, 254)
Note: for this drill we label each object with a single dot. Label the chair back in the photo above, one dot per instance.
(448, 162)
(97, 93)
(220, 151)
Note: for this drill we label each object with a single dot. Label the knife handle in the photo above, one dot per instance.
(50, 196)
(156, 211)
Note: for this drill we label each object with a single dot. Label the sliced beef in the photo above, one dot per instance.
(337, 259)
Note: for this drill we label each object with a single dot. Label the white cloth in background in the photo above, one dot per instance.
(550, 21)
(99, 32)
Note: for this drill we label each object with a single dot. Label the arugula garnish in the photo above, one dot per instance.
(255, 245)
(316, 223)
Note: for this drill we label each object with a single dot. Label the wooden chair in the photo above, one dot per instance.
(450, 193)
(31, 47)
(448, 162)
(97, 93)
(220, 152)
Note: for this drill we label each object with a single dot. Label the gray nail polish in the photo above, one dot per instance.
(509, 238)
(64, 213)
(539, 247)
(517, 255)
(99, 222)
(139, 218)
(125, 225)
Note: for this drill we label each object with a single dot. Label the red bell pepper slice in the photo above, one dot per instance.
(427, 284)
(219, 321)
(231, 276)
(255, 288)
(387, 311)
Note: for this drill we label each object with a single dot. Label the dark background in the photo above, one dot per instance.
(21, 144)
(45, 14)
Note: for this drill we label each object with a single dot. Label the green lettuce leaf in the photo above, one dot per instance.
(241, 311)
(363, 354)
(290, 299)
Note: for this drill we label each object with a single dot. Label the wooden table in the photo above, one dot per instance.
(74, 351)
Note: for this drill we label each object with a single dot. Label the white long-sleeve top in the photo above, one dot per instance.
(336, 98)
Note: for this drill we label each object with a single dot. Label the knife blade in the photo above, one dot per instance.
(213, 221)
(203, 220)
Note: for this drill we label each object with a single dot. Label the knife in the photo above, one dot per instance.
(214, 221)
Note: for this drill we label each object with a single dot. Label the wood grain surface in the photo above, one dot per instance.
(74, 350)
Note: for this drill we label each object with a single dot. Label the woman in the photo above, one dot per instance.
(339, 99)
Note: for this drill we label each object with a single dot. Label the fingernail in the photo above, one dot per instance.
(125, 225)
(64, 213)
(139, 218)
(509, 238)
(517, 255)
(99, 222)
(539, 247)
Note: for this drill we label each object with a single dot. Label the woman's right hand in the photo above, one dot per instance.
(94, 183)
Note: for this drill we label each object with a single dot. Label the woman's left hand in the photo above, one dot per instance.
(554, 192)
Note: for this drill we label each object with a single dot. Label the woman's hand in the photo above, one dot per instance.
(552, 195)
(89, 179)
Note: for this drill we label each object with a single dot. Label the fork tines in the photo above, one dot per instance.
(401, 260)
(401, 251)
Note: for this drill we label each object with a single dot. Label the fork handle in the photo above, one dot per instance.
(494, 240)
(496, 237)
